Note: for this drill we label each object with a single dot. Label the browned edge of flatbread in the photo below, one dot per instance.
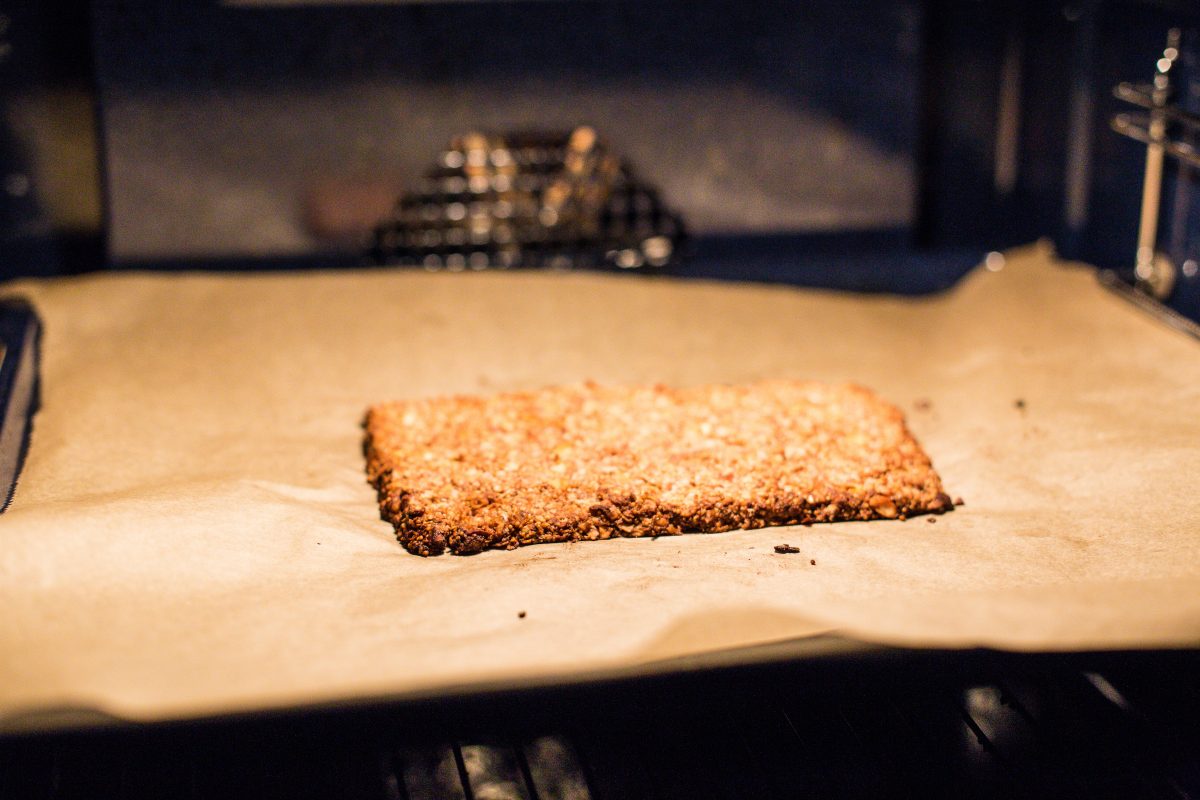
(449, 508)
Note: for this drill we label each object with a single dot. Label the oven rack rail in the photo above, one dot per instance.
(1167, 129)
(1029, 730)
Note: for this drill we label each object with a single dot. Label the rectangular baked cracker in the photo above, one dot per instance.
(571, 463)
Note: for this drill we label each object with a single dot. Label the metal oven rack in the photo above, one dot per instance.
(1165, 278)
(887, 723)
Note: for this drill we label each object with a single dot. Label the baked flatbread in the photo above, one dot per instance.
(589, 462)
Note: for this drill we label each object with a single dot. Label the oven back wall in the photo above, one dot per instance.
(225, 126)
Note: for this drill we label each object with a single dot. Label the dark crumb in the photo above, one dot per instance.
(786, 548)
(1019, 403)
(923, 404)
(812, 561)
(521, 615)
(958, 501)
(931, 519)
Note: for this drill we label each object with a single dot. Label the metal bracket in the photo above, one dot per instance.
(1153, 270)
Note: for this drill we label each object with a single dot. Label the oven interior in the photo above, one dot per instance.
(886, 146)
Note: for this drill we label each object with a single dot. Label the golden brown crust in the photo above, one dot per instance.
(569, 463)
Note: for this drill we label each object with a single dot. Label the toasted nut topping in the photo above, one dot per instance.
(884, 506)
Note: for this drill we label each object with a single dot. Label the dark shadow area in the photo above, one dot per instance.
(863, 723)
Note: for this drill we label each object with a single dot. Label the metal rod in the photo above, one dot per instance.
(463, 777)
(1127, 126)
(393, 778)
(1143, 96)
(526, 772)
(1152, 185)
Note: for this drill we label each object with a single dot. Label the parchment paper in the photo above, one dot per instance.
(194, 534)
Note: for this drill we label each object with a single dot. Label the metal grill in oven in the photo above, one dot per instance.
(1165, 277)
(557, 200)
